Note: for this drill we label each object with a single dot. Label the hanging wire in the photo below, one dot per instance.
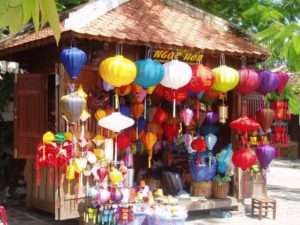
(222, 59)
(244, 61)
(73, 42)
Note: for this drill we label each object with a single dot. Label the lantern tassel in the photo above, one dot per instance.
(145, 108)
(116, 101)
(279, 153)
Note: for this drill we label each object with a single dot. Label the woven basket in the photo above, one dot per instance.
(220, 191)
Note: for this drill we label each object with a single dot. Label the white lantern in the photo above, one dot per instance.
(116, 122)
(177, 74)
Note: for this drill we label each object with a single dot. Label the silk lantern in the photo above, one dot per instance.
(149, 73)
(161, 116)
(212, 117)
(159, 90)
(103, 196)
(265, 117)
(186, 115)
(177, 75)
(151, 113)
(116, 196)
(73, 60)
(202, 78)
(249, 81)
(115, 176)
(116, 122)
(198, 144)
(118, 71)
(123, 141)
(226, 78)
(244, 158)
(125, 109)
(211, 94)
(244, 124)
(269, 81)
(137, 109)
(284, 78)
(72, 105)
(265, 154)
(102, 173)
(124, 90)
(149, 140)
(211, 141)
(180, 95)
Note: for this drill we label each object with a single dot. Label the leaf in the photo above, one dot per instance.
(12, 19)
(28, 6)
(43, 14)
(4, 6)
(36, 15)
(15, 3)
(52, 17)
(296, 43)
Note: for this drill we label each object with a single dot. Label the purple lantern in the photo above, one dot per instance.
(125, 109)
(265, 154)
(269, 81)
(212, 117)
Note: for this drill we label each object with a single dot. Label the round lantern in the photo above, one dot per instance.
(170, 131)
(123, 141)
(149, 73)
(284, 78)
(244, 158)
(265, 117)
(161, 116)
(73, 60)
(177, 74)
(72, 105)
(265, 154)
(226, 78)
(202, 78)
(159, 90)
(118, 71)
(212, 117)
(249, 81)
(198, 144)
(116, 196)
(269, 81)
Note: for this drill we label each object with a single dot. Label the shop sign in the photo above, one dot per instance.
(162, 55)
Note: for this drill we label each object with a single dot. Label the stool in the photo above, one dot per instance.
(263, 204)
(3, 214)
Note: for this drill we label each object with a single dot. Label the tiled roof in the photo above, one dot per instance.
(155, 22)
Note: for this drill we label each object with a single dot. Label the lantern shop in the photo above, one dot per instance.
(145, 103)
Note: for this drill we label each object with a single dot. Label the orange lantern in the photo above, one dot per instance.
(149, 140)
(137, 109)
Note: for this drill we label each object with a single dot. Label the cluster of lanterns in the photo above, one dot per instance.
(173, 81)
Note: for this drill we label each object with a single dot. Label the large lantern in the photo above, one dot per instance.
(118, 71)
(265, 117)
(149, 73)
(73, 60)
(269, 81)
(248, 82)
(202, 78)
(226, 78)
(72, 105)
(244, 158)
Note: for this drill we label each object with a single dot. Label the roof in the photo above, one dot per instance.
(171, 24)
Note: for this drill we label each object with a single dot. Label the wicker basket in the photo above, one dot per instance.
(220, 191)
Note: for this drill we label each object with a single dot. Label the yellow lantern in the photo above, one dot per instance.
(70, 175)
(226, 78)
(115, 176)
(149, 141)
(99, 114)
(81, 92)
(118, 71)
(150, 90)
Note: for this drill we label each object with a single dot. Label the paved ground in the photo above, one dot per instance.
(283, 185)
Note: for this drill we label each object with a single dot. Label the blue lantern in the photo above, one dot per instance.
(73, 60)
(210, 140)
(125, 109)
(141, 123)
(149, 73)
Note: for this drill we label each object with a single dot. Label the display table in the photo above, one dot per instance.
(196, 203)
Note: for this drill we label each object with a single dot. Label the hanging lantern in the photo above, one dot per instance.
(161, 116)
(212, 117)
(116, 122)
(223, 113)
(150, 90)
(186, 115)
(180, 95)
(249, 81)
(149, 140)
(84, 115)
(200, 95)
(265, 154)
(81, 92)
(211, 141)
(281, 110)
(137, 109)
(284, 78)
(124, 90)
(123, 141)
(102, 173)
(118, 71)
(73, 60)
(202, 78)
(116, 196)
(226, 78)
(170, 131)
(115, 176)
(72, 105)
(269, 81)
(244, 124)
(159, 90)
(265, 117)
(103, 196)
(155, 128)
(244, 158)
(151, 113)
(198, 144)
(99, 114)
(211, 94)
(125, 109)
(149, 73)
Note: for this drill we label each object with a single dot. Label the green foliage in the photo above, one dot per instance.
(62, 5)
(222, 180)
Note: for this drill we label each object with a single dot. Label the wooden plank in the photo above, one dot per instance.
(42, 187)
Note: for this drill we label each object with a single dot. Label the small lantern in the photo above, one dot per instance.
(280, 109)
(223, 113)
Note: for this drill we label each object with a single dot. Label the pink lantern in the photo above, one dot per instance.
(102, 173)
(284, 78)
(249, 81)
(186, 115)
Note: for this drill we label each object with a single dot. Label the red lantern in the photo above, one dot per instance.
(211, 94)
(161, 116)
(198, 144)
(265, 117)
(244, 158)
(170, 131)
(280, 109)
(159, 90)
(123, 141)
(249, 81)
(180, 95)
(137, 109)
(244, 124)
(202, 78)
(284, 78)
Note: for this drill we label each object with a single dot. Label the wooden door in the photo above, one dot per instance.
(30, 107)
